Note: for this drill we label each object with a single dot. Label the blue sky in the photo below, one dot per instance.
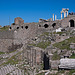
(32, 10)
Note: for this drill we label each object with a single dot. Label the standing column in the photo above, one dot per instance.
(53, 17)
(69, 24)
(67, 13)
(61, 15)
(64, 14)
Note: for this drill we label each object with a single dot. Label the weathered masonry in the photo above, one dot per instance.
(20, 32)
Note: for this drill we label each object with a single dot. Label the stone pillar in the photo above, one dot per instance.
(67, 13)
(69, 24)
(61, 15)
(64, 14)
(53, 17)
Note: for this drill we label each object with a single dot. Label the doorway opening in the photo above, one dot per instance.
(46, 61)
(46, 25)
(71, 23)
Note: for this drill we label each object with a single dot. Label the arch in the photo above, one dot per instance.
(13, 23)
(22, 27)
(39, 25)
(71, 22)
(26, 27)
(17, 27)
(46, 25)
(53, 25)
(10, 28)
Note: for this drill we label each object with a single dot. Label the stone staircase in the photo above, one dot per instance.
(11, 70)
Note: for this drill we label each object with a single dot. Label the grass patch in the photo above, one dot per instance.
(60, 33)
(70, 72)
(32, 44)
(43, 44)
(45, 33)
(73, 56)
(12, 60)
(55, 56)
(12, 51)
(2, 53)
(8, 74)
(41, 74)
(42, 66)
(61, 71)
(65, 44)
(4, 28)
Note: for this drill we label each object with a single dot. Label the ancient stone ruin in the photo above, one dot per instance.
(21, 36)
(19, 20)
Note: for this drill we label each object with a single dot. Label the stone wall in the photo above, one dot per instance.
(65, 21)
(19, 33)
(7, 44)
(54, 64)
(6, 35)
(4, 44)
(25, 33)
(6, 39)
(33, 55)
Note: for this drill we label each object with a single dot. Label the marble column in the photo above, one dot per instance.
(67, 13)
(53, 17)
(64, 14)
(61, 15)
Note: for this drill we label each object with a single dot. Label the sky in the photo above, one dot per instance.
(32, 10)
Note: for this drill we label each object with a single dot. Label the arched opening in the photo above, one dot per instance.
(26, 27)
(22, 27)
(17, 27)
(13, 23)
(10, 28)
(39, 25)
(53, 25)
(71, 23)
(46, 62)
(46, 25)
